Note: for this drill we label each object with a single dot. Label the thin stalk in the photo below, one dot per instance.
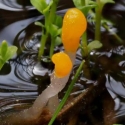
(86, 69)
(52, 16)
(113, 33)
(67, 93)
(44, 37)
(52, 13)
(42, 45)
(83, 2)
(49, 19)
(98, 11)
(52, 46)
(84, 45)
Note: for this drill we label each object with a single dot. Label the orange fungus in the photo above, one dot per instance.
(74, 25)
(63, 64)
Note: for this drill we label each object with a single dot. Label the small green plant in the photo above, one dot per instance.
(85, 6)
(51, 26)
(6, 52)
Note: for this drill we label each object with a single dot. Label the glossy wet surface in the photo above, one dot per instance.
(23, 78)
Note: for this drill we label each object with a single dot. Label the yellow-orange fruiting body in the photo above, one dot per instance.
(63, 64)
(74, 25)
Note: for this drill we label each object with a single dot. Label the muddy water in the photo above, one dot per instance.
(23, 78)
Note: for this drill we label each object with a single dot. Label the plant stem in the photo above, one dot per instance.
(86, 69)
(67, 93)
(52, 46)
(113, 33)
(84, 45)
(42, 45)
(49, 19)
(83, 2)
(52, 16)
(52, 13)
(98, 11)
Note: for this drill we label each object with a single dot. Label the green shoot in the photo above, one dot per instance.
(85, 6)
(52, 26)
(6, 52)
(98, 10)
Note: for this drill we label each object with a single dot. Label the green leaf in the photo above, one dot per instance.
(4, 47)
(58, 41)
(94, 45)
(1, 58)
(6, 52)
(53, 29)
(40, 5)
(58, 21)
(89, 4)
(10, 53)
(87, 8)
(77, 3)
(48, 7)
(107, 1)
(59, 31)
(1, 64)
(39, 24)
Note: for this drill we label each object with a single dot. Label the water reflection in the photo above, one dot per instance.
(15, 5)
(117, 92)
(20, 84)
(16, 85)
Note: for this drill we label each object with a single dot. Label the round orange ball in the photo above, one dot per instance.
(63, 64)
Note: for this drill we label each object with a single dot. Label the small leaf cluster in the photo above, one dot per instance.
(41, 5)
(6, 52)
(53, 22)
(85, 5)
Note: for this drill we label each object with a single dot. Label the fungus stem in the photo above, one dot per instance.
(67, 93)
